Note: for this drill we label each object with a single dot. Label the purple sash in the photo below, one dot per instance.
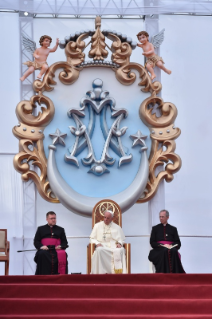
(61, 254)
(164, 242)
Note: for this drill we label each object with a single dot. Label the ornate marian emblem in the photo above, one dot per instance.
(98, 102)
(97, 132)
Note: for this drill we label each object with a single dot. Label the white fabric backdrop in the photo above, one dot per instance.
(9, 84)
(187, 51)
(11, 211)
(186, 47)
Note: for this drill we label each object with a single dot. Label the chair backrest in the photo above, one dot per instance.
(3, 239)
(101, 207)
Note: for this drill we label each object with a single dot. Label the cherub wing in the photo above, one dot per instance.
(157, 39)
(28, 44)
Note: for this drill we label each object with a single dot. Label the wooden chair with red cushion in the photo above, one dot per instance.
(4, 249)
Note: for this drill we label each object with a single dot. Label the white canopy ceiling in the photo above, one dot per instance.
(108, 7)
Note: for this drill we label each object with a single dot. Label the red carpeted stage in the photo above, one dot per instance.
(107, 296)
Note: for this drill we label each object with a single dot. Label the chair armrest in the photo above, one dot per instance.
(91, 248)
(128, 257)
(90, 251)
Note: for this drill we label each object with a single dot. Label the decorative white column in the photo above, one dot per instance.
(26, 28)
(29, 226)
(29, 190)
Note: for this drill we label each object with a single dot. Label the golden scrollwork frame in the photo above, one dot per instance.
(30, 128)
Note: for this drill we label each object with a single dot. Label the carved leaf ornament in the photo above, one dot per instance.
(30, 129)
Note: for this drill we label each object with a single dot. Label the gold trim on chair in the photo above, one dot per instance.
(101, 207)
(90, 251)
(128, 257)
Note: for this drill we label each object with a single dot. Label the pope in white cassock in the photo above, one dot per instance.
(109, 256)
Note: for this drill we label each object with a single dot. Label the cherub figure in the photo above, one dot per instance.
(152, 59)
(40, 55)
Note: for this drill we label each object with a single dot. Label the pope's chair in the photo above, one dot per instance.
(4, 249)
(97, 216)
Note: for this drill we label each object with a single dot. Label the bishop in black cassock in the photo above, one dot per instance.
(165, 259)
(46, 256)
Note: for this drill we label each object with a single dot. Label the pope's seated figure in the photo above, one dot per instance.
(109, 255)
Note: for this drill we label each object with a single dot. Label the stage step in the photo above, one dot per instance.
(136, 279)
(102, 306)
(107, 296)
(107, 316)
(115, 291)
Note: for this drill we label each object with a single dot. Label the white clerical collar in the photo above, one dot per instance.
(165, 224)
